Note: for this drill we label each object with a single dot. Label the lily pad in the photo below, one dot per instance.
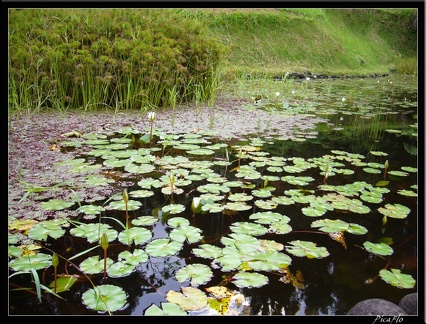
(163, 247)
(105, 298)
(378, 248)
(249, 280)
(190, 299)
(26, 263)
(397, 279)
(56, 204)
(167, 309)
(306, 249)
(198, 274)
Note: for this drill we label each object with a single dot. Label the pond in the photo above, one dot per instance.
(301, 221)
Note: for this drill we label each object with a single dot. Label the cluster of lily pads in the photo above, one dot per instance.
(221, 179)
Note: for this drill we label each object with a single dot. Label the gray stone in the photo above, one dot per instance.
(376, 306)
(409, 304)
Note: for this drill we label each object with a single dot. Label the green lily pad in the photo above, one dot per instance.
(198, 274)
(121, 205)
(306, 249)
(408, 193)
(397, 279)
(163, 247)
(398, 173)
(42, 230)
(26, 263)
(186, 233)
(394, 211)
(330, 226)
(409, 169)
(63, 283)
(140, 169)
(372, 170)
(173, 208)
(265, 204)
(56, 204)
(144, 221)
(93, 232)
(190, 299)
(167, 309)
(249, 280)
(207, 251)
(237, 206)
(378, 248)
(138, 235)
(93, 180)
(105, 298)
(141, 193)
(177, 221)
(94, 265)
(120, 269)
(248, 228)
(91, 209)
(133, 258)
(268, 217)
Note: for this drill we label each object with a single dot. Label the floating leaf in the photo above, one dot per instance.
(397, 279)
(91, 209)
(163, 247)
(382, 183)
(207, 251)
(394, 211)
(248, 228)
(173, 208)
(408, 193)
(133, 258)
(378, 248)
(56, 204)
(94, 265)
(93, 232)
(199, 274)
(44, 229)
(186, 232)
(63, 283)
(372, 170)
(330, 226)
(190, 298)
(167, 309)
(120, 269)
(398, 173)
(249, 280)
(105, 298)
(121, 205)
(307, 249)
(26, 263)
(137, 235)
(144, 221)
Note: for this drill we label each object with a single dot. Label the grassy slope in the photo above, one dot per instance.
(328, 41)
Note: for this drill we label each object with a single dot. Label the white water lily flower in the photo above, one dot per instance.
(151, 116)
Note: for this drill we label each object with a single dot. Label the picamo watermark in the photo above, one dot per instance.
(388, 319)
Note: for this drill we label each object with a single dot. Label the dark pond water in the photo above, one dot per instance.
(368, 122)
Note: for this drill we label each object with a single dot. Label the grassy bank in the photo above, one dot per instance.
(327, 41)
(145, 58)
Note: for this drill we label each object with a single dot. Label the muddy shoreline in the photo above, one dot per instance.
(34, 140)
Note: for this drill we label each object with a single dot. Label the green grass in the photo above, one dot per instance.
(120, 59)
(327, 41)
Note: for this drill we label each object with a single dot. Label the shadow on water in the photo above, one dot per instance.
(331, 285)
